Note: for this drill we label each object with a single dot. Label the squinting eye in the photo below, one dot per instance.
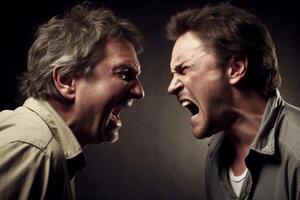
(125, 75)
(184, 70)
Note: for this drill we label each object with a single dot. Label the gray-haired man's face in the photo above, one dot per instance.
(111, 88)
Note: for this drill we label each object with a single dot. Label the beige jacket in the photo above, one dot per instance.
(36, 149)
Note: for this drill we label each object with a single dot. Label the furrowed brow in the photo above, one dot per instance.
(129, 67)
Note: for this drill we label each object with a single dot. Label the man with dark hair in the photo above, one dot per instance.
(82, 72)
(224, 70)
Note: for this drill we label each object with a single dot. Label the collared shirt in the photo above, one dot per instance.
(273, 160)
(39, 154)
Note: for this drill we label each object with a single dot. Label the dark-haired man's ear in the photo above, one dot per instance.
(237, 68)
(64, 85)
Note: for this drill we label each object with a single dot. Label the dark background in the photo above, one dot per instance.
(157, 156)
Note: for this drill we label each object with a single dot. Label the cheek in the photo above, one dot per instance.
(208, 85)
(119, 89)
(110, 89)
(200, 82)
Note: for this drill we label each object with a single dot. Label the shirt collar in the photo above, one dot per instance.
(215, 143)
(61, 132)
(264, 142)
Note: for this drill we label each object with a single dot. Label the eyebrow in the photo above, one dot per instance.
(177, 67)
(128, 67)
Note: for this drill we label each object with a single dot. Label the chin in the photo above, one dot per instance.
(201, 132)
(111, 136)
(200, 136)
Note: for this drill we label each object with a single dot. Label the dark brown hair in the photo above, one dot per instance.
(226, 31)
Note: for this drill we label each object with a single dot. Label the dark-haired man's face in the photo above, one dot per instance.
(111, 88)
(200, 85)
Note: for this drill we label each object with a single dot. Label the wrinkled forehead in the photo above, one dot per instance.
(185, 48)
(121, 50)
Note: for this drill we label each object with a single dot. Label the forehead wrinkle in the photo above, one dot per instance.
(184, 57)
(132, 63)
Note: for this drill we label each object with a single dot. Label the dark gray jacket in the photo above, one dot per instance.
(273, 161)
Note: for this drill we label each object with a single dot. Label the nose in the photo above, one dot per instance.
(175, 85)
(137, 90)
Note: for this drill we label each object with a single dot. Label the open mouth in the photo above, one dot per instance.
(192, 107)
(115, 116)
(116, 112)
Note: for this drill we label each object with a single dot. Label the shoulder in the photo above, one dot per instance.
(289, 129)
(291, 114)
(24, 125)
(290, 118)
(26, 168)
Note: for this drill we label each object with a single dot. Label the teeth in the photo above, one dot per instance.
(185, 103)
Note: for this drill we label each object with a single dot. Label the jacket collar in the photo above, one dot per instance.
(265, 140)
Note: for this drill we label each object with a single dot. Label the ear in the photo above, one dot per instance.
(237, 69)
(64, 85)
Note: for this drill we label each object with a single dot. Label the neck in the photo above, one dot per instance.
(249, 108)
(68, 113)
(64, 111)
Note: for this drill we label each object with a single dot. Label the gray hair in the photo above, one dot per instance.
(75, 43)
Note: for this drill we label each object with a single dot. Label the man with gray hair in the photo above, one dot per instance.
(82, 72)
(224, 70)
